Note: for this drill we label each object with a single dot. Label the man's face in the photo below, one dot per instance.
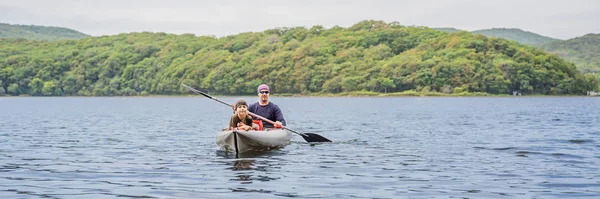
(263, 95)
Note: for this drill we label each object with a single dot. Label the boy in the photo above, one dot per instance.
(241, 120)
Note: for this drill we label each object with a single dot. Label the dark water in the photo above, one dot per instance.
(383, 148)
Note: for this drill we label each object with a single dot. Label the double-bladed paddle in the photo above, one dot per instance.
(309, 137)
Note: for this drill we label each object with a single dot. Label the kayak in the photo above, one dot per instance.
(240, 141)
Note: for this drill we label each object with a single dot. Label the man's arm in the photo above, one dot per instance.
(279, 115)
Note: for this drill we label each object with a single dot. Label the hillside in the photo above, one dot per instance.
(448, 30)
(584, 51)
(42, 33)
(369, 56)
(518, 35)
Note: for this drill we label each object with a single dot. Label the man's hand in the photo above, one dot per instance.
(278, 125)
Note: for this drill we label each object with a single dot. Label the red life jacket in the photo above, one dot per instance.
(260, 125)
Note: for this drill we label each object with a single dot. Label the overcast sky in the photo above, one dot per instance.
(562, 19)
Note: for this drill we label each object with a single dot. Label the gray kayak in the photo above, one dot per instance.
(240, 141)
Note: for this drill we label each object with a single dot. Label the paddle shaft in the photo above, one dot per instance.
(252, 114)
(273, 123)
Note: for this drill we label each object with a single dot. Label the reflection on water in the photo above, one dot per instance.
(242, 164)
(249, 154)
(252, 165)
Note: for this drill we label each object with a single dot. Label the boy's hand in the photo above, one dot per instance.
(243, 126)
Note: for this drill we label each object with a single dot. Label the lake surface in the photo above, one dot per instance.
(513, 147)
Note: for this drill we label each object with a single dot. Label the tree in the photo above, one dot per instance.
(36, 85)
(49, 88)
(72, 84)
(333, 85)
(386, 83)
(5, 73)
(316, 30)
(13, 89)
(351, 83)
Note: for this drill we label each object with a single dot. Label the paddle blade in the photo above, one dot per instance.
(311, 137)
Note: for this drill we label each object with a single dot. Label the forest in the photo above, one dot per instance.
(370, 56)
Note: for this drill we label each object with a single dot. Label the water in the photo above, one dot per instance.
(383, 148)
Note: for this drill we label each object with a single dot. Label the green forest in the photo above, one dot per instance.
(370, 56)
(42, 33)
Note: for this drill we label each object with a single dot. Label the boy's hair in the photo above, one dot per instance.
(240, 102)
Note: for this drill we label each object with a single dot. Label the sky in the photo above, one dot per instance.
(561, 19)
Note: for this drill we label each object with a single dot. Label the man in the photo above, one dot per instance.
(267, 109)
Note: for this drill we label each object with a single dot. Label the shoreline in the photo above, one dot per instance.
(338, 95)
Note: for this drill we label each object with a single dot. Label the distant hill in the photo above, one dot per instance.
(584, 51)
(514, 34)
(42, 33)
(518, 35)
(448, 30)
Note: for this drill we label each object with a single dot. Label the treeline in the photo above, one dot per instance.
(369, 56)
(42, 33)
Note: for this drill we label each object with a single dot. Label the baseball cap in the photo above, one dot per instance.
(263, 87)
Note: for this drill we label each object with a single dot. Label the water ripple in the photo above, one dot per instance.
(383, 148)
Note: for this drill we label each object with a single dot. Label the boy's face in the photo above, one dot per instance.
(242, 109)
